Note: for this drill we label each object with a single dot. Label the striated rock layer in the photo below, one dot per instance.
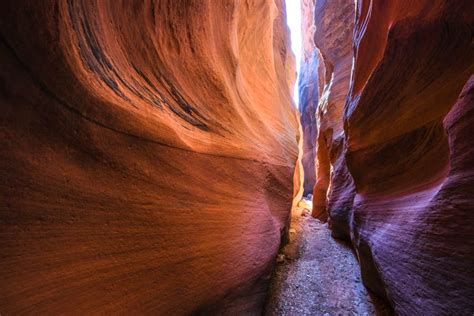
(334, 21)
(412, 215)
(148, 154)
(401, 185)
(308, 96)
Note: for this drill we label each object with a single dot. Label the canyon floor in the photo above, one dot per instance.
(318, 275)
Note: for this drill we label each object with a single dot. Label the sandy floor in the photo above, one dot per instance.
(318, 276)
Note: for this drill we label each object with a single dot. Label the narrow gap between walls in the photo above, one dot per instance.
(293, 19)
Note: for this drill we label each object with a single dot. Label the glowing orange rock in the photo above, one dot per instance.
(148, 154)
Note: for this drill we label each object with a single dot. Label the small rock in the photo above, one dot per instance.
(280, 258)
(305, 212)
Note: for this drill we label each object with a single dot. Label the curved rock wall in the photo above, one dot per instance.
(334, 21)
(148, 153)
(414, 189)
(308, 96)
(400, 176)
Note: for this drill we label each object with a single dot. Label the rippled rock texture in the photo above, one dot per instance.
(334, 22)
(411, 163)
(309, 96)
(403, 189)
(148, 154)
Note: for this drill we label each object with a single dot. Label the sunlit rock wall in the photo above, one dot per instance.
(148, 154)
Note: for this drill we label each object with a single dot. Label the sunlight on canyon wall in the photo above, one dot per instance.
(148, 154)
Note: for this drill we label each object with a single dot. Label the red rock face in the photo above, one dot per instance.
(148, 154)
(334, 22)
(402, 188)
(414, 199)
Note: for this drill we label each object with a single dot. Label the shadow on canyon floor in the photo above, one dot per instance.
(319, 275)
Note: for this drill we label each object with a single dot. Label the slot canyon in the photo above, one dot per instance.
(154, 160)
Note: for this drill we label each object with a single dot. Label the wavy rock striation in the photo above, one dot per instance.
(401, 174)
(148, 154)
(309, 96)
(414, 185)
(334, 21)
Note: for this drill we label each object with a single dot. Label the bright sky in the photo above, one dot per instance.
(293, 16)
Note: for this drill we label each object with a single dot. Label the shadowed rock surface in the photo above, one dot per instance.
(319, 275)
(334, 22)
(309, 97)
(414, 182)
(400, 177)
(148, 154)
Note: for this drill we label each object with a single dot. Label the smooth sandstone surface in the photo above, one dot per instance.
(402, 187)
(148, 155)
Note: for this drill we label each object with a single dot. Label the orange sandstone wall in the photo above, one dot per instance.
(148, 154)
(334, 21)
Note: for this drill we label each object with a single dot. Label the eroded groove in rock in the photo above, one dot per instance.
(334, 21)
(407, 213)
(148, 154)
(309, 97)
(411, 207)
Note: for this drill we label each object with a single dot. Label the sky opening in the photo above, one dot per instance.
(293, 18)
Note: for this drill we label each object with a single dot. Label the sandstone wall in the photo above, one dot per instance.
(334, 22)
(148, 154)
(308, 96)
(397, 155)
(411, 162)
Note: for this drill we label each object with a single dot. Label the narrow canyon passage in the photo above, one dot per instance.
(154, 155)
(319, 275)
